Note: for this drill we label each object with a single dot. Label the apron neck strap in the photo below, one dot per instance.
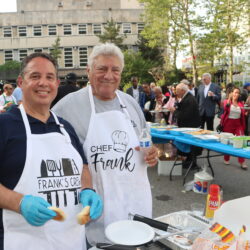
(123, 107)
(27, 125)
(92, 104)
(61, 126)
(91, 98)
(25, 120)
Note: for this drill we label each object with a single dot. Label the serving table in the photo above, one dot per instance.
(163, 136)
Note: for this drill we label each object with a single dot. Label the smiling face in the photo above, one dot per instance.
(236, 94)
(39, 83)
(105, 76)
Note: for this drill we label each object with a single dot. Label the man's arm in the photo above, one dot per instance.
(86, 177)
(9, 199)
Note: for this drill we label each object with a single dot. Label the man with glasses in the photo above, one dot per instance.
(7, 99)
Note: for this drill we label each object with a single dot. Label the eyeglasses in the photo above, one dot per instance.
(8, 88)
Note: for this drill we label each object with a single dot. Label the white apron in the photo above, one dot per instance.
(52, 171)
(118, 171)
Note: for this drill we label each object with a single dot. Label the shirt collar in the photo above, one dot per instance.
(17, 116)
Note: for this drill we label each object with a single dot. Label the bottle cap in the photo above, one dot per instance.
(214, 189)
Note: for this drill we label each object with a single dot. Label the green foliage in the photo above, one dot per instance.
(174, 76)
(136, 65)
(126, 86)
(10, 65)
(148, 53)
(111, 34)
(224, 31)
(56, 51)
(172, 24)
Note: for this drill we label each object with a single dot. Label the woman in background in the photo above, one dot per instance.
(233, 120)
(170, 104)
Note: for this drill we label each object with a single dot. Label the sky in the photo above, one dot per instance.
(7, 5)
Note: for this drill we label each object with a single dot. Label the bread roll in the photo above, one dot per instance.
(60, 215)
(83, 217)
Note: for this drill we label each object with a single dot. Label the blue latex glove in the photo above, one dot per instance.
(90, 198)
(35, 210)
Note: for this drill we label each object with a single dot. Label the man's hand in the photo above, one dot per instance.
(172, 109)
(151, 156)
(35, 210)
(88, 197)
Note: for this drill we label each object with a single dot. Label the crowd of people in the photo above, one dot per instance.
(85, 150)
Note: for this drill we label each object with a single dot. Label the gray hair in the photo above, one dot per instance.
(207, 74)
(158, 87)
(182, 86)
(185, 81)
(106, 49)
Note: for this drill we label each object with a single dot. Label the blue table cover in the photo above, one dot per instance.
(161, 136)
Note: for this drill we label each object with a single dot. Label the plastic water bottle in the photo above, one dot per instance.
(145, 140)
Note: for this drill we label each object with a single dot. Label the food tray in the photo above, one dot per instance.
(207, 138)
(180, 131)
(184, 220)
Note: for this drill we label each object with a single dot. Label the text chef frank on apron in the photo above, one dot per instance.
(118, 171)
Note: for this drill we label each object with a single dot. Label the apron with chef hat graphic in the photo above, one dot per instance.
(52, 171)
(119, 173)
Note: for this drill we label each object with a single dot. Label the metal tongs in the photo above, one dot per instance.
(173, 230)
(154, 223)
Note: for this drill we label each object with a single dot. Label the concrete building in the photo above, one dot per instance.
(37, 24)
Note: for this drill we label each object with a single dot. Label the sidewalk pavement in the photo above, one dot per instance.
(169, 196)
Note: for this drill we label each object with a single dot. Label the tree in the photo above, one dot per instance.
(229, 18)
(111, 34)
(148, 53)
(9, 71)
(175, 21)
(136, 65)
(56, 51)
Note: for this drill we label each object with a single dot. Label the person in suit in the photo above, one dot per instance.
(209, 94)
(186, 111)
(136, 90)
(145, 99)
(186, 114)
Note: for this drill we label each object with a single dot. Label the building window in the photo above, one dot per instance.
(8, 55)
(37, 30)
(7, 32)
(140, 27)
(126, 28)
(82, 29)
(38, 50)
(22, 31)
(22, 54)
(83, 55)
(52, 30)
(67, 29)
(97, 29)
(68, 57)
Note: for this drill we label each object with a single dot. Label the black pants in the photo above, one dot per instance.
(209, 120)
